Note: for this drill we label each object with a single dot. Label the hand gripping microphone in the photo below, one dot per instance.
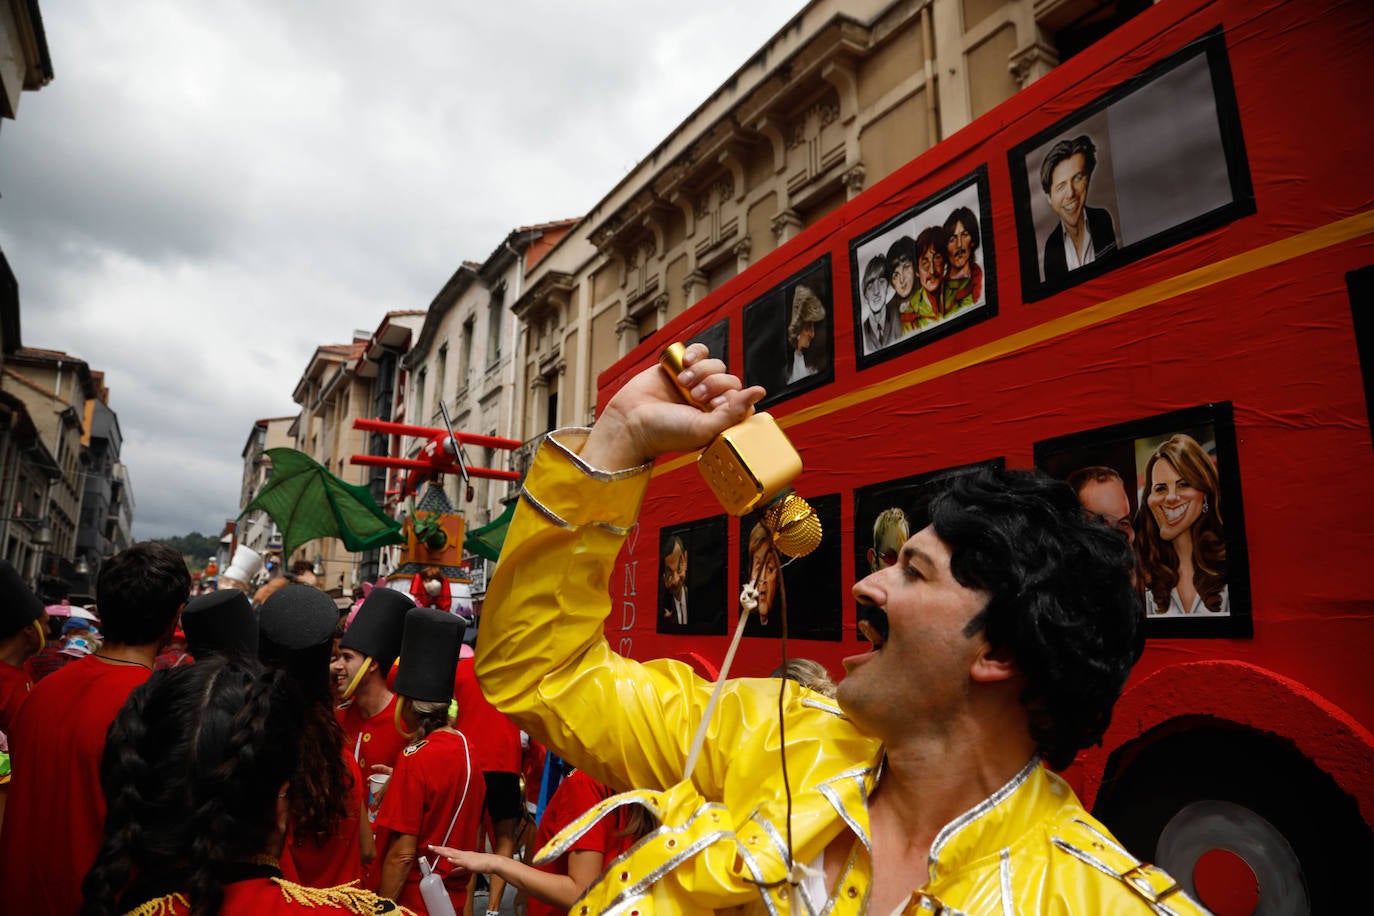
(749, 466)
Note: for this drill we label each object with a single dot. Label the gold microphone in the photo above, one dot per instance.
(749, 466)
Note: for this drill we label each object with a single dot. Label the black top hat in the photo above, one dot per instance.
(19, 606)
(221, 623)
(296, 626)
(377, 628)
(429, 655)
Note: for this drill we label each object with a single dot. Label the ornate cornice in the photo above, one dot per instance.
(555, 284)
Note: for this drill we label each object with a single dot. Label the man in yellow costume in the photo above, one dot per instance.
(1000, 641)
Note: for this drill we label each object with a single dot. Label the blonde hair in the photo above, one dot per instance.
(810, 674)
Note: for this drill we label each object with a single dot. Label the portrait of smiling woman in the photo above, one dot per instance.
(1179, 535)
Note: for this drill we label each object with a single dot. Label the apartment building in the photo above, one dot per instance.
(843, 94)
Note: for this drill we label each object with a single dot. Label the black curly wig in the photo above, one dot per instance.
(1061, 600)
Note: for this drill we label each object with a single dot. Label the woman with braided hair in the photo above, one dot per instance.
(196, 769)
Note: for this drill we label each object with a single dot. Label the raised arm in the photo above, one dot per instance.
(542, 657)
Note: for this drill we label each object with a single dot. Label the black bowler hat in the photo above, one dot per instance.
(429, 655)
(296, 628)
(377, 628)
(221, 623)
(19, 606)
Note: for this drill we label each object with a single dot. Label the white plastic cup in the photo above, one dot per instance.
(375, 784)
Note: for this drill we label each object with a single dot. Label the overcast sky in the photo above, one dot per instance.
(207, 191)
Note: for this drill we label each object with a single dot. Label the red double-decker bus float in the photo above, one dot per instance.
(1149, 274)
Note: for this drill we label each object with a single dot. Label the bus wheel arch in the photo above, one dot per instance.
(1239, 810)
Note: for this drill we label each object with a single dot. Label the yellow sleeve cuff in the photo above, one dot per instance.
(557, 486)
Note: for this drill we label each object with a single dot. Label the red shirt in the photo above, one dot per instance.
(372, 740)
(495, 738)
(55, 801)
(14, 690)
(433, 779)
(339, 859)
(574, 797)
(46, 662)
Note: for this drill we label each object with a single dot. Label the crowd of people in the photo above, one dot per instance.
(296, 757)
(220, 753)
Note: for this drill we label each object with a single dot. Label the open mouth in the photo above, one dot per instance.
(873, 626)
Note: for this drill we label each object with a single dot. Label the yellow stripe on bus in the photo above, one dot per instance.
(1304, 243)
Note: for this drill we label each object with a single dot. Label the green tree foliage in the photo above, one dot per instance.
(195, 547)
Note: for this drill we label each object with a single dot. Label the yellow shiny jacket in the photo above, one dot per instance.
(543, 659)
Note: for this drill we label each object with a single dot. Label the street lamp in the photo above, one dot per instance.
(82, 568)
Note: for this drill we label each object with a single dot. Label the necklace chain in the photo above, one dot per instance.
(122, 661)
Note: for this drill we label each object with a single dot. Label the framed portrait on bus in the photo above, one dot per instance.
(717, 340)
(1157, 160)
(924, 274)
(887, 513)
(692, 575)
(811, 585)
(789, 340)
(1169, 485)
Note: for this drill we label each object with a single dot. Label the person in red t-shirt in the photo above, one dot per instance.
(23, 633)
(196, 764)
(329, 839)
(173, 654)
(563, 873)
(367, 650)
(496, 744)
(435, 794)
(59, 734)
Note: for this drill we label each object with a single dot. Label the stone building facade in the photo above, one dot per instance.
(845, 93)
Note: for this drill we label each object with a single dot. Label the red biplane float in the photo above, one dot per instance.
(434, 530)
(442, 454)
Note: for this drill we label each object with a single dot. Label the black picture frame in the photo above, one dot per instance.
(767, 350)
(717, 340)
(814, 587)
(1125, 448)
(868, 255)
(706, 578)
(1148, 193)
(909, 498)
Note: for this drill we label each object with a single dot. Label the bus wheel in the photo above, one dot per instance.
(1236, 860)
(1240, 818)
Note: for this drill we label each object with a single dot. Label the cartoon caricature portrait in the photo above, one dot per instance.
(692, 577)
(923, 274)
(789, 335)
(1084, 233)
(675, 581)
(1180, 539)
(1168, 485)
(811, 586)
(1153, 162)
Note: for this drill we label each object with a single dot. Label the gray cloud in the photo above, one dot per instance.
(205, 193)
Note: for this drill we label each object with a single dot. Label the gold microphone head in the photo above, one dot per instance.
(796, 529)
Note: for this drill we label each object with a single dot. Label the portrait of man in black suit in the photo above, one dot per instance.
(1085, 234)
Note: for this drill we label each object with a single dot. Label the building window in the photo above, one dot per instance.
(465, 353)
(420, 393)
(439, 377)
(495, 314)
